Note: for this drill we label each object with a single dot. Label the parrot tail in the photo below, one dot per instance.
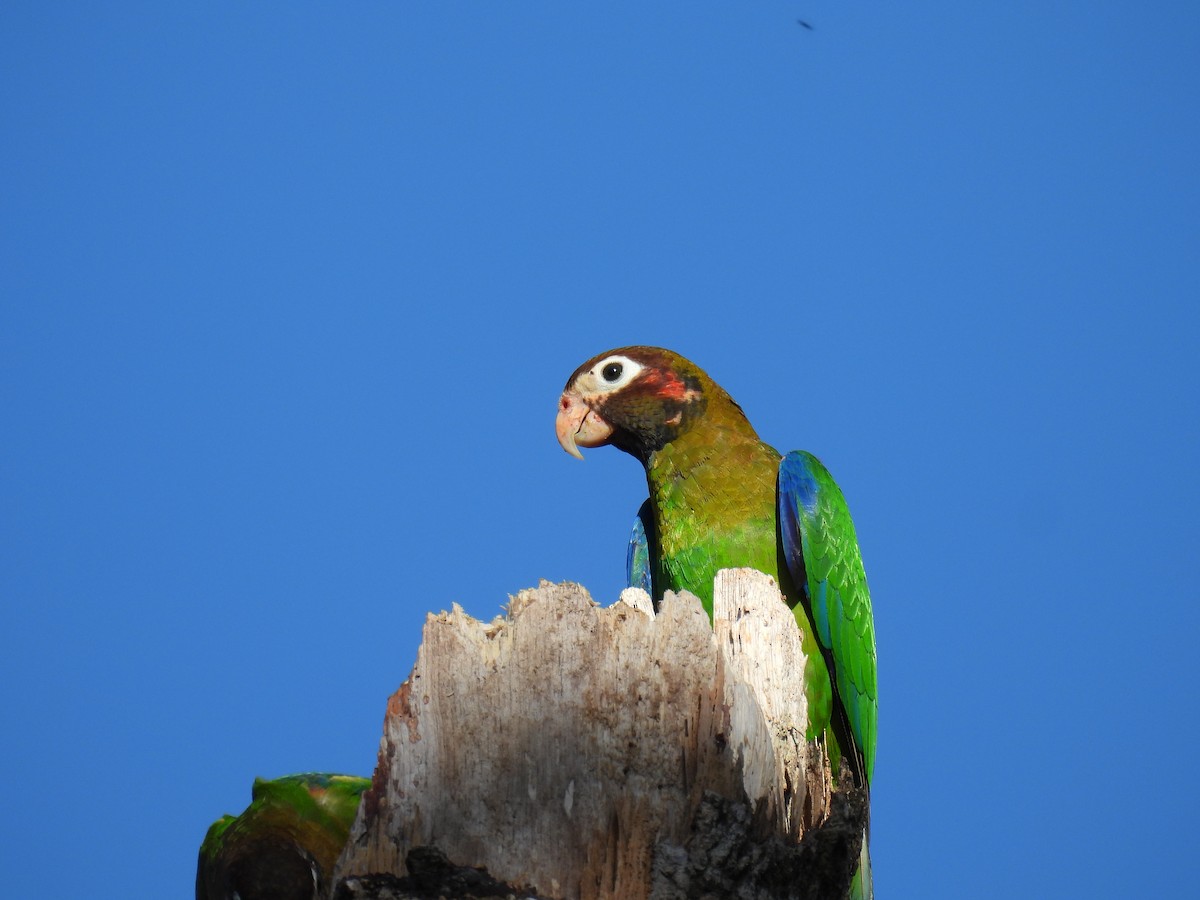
(862, 887)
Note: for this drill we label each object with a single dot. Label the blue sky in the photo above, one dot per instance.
(289, 294)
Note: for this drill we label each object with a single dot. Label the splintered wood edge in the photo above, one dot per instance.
(638, 599)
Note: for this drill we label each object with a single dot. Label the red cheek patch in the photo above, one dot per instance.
(667, 384)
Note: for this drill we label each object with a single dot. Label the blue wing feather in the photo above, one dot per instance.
(637, 557)
(798, 492)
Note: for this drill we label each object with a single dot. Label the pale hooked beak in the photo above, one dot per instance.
(578, 425)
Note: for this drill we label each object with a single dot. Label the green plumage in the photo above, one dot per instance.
(721, 498)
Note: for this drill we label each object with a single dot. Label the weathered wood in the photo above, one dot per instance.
(576, 751)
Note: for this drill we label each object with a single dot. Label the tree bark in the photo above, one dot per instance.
(573, 751)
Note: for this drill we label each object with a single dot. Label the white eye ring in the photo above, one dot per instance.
(614, 372)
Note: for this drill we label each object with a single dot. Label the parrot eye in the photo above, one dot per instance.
(613, 373)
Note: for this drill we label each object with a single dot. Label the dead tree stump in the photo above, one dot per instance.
(574, 751)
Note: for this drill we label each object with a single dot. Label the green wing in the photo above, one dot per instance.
(823, 556)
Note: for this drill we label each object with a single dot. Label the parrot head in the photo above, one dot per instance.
(639, 399)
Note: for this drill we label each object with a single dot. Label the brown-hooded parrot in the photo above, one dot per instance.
(285, 843)
(721, 498)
